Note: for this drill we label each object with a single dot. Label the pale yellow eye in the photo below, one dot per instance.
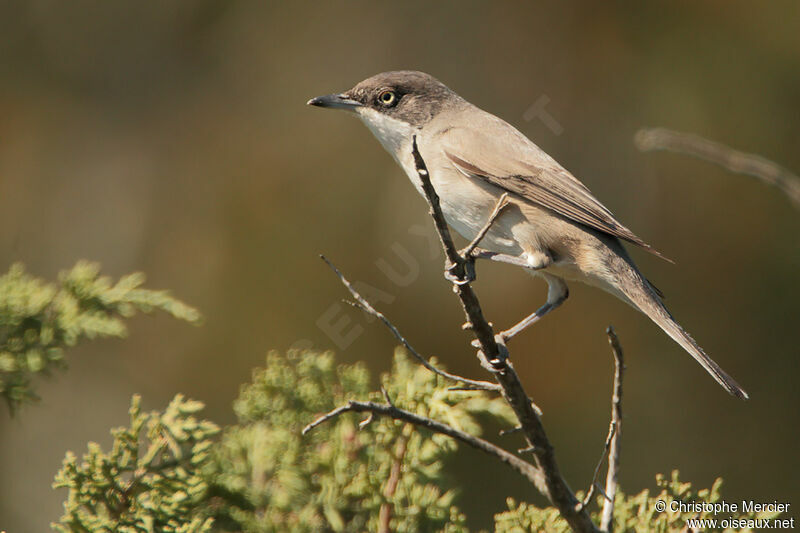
(387, 98)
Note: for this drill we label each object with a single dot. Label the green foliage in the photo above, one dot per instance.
(150, 480)
(631, 513)
(340, 478)
(165, 474)
(38, 319)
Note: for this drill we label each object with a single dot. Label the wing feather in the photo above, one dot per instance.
(524, 170)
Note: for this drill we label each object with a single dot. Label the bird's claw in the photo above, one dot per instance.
(503, 349)
(452, 274)
(496, 364)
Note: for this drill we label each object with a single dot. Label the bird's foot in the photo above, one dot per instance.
(497, 363)
(459, 273)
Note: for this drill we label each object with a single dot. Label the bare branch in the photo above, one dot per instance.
(386, 396)
(607, 516)
(330, 416)
(612, 430)
(550, 483)
(611, 446)
(502, 202)
(365, 306)
(367, 421)
(522, 467)
(693, 145)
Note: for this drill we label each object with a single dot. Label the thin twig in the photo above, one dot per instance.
(502, 202)
(367, 421)
(365, 306)
(607, 516)
(467, 388)
(386, 396)
(550, 483)
(522, 467)
(752, 165)
(612, 430)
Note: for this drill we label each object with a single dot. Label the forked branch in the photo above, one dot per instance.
(543, 471)
(607, 516)
(611, 446)
(389, 410)
(365, 306)
(494, 352)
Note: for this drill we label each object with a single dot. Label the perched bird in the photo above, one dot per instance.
(553, 222)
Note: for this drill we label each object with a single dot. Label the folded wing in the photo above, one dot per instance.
(523, 169)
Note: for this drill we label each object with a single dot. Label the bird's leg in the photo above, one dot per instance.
(461, 272)
(557, 293)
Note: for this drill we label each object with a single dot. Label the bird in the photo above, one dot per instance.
(552, 223)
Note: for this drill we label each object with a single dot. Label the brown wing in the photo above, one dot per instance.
(523, 169)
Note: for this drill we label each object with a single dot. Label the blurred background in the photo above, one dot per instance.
(173, 138)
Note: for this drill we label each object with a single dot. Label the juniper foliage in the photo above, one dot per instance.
(173, 472)
(150, 480)
(38, 320)
(632, 513)
(170, 472)
(337, 477)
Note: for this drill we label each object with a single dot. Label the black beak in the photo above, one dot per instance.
(335, 101)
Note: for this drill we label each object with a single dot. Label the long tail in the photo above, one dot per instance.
(644, 297)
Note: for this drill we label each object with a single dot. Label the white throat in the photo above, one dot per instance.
(395, 135)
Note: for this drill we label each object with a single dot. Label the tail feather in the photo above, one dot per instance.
(643, 296)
